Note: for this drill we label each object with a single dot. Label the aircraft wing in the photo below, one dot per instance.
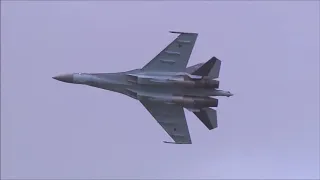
(172, 119)
(175, 57)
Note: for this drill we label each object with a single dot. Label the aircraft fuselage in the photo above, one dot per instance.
(179, 88)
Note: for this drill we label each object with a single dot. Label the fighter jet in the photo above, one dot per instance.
(165, 86)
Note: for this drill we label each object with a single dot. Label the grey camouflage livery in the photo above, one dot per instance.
(165, 86)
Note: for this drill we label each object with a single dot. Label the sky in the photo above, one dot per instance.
(270, 60)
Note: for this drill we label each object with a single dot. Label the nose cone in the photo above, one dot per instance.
(230, 94)
(68, 78)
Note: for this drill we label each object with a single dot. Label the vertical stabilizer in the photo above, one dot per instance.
(208, 117)
(210, 69)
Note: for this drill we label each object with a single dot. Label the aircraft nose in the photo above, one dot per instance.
(68, 78)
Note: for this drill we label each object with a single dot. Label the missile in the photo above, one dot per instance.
(194, 101)
(201, 83)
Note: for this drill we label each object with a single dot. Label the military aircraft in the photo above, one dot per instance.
(165, 86)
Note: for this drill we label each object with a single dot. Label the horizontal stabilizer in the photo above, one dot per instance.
(208, 117)
(210, 69)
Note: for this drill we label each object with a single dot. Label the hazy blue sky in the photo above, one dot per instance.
(270, 61)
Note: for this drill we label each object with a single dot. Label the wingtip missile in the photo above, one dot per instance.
(168, 142)
(180, 32)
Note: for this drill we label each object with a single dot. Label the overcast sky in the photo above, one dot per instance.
(270, 61)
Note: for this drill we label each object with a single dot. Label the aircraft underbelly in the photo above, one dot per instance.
(177, 91)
